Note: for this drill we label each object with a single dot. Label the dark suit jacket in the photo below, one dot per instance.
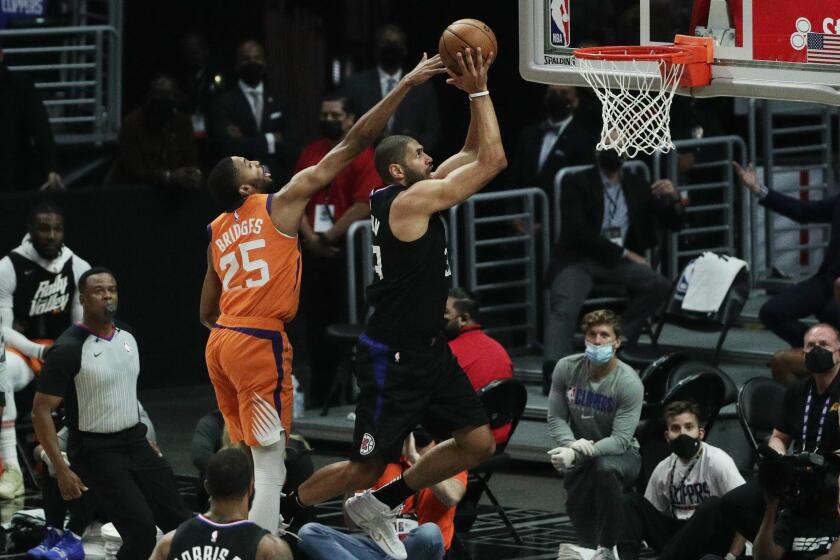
(575, 146)
(582, 212)
(417, 116)
(231, 107)
(812, 212)
(27, 146)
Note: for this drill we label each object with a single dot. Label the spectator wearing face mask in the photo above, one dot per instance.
(329, 214)
(156, 144)
(565, 137)
(249, 121)
(593, 411)
(417, 116)
(609, 220)
(695, 475)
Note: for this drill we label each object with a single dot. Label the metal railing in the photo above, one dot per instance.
(77, 71)
(711, 212)
(505, 253)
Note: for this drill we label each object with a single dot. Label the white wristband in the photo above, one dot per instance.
(479, 94)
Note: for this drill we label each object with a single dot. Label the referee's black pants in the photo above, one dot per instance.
(135, 487)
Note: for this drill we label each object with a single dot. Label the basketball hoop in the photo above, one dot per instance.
(636, 86)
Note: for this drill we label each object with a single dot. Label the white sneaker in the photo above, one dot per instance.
(375, 517)
(11, 484)
(567, 551)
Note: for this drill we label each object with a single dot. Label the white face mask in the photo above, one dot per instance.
(599, 355)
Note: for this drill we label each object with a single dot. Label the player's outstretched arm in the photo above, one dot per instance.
(292, 198)
(433, 195)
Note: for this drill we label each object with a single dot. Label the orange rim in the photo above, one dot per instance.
(672, 54)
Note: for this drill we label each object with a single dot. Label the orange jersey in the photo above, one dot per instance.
(259, 267)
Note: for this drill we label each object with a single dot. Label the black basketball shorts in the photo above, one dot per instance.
(401, 388)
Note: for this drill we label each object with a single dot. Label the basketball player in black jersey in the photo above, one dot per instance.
(407, 374)
(224, 532)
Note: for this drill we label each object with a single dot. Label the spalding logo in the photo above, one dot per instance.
(368, 443)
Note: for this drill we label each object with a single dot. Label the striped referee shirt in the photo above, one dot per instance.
(97, 378)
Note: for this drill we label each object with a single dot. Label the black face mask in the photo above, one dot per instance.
(331, 129)
(558, 106)
(391, 55)
(252, 73)
(819, 360)
(608, 160)
(684, 446)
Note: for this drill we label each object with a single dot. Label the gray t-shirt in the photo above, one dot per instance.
(606, 412)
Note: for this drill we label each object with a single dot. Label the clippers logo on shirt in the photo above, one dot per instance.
(686, 497)
(584, 398)
(51, 296)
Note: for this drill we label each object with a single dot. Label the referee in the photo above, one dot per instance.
(93, 368)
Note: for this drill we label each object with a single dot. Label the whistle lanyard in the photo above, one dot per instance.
(821, 423)
(684, 478)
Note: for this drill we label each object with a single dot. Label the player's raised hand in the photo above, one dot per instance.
(473, 67)
(425, 69)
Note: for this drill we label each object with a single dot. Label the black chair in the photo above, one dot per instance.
(760, 402)
(504, 400)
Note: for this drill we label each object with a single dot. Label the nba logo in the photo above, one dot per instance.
(559, 26)
(368, 443)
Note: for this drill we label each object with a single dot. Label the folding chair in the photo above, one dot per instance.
(760, 402)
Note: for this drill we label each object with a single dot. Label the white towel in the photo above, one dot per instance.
(709, 281)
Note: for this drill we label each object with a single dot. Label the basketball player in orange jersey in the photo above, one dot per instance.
(252, 288)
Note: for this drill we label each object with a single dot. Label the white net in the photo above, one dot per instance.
(635, 103)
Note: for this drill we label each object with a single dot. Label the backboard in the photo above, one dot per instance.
(774, 49)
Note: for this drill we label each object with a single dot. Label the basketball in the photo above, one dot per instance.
(462, 34)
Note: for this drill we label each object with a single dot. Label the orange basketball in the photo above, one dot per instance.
(462, 34)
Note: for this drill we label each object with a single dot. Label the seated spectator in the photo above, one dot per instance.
(417, 116)
(593, 411)
(224, 531)
(609, 220)
(27, 145)
(329, 214)
(199, 80)
(248, 120)
(807, 422)
(816, 295)
(481, 357)
(565, 137)
(691, 476)
(425, 522)
(156, 144)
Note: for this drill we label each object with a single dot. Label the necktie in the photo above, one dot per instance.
(258, 107)
(389, 85)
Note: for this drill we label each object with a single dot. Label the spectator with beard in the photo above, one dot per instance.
(418, 115)
(328, 215)
(38, 300)
(248, 120)
(609, 220)
(156, 144)
(565, 137)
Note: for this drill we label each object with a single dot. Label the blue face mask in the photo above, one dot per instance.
(599, 355)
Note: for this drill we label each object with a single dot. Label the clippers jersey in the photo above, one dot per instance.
(411, 280)
(259, 267)
(200, 539)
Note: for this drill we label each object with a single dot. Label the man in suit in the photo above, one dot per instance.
(417, 116)
(248, 121)
(609, 220)
(565, 137)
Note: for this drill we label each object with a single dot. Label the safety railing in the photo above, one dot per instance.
(505, 252)
(77, 71)
(710, 187)
(792, 143)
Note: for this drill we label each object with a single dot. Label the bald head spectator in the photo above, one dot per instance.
(27, 146)
(156, 143)
(248, 120)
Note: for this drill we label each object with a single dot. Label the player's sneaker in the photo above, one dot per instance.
(68, 548)
(568, 551)
(11, 484)
(53, 536)
(375, 517)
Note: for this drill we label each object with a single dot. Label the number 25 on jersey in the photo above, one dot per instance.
(243, 259)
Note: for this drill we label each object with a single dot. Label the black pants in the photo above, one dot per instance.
(82, 510)
(594, 497)
(135, 487)
(742, 509)
(643, 522)
(814, 296)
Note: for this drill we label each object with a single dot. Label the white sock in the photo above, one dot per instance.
(269, 476)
